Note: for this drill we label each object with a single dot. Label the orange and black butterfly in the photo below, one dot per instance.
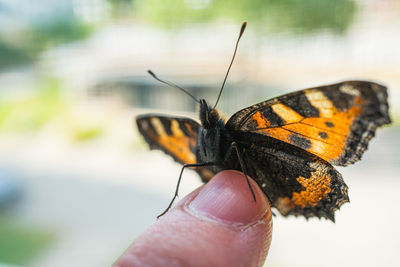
(286, 144)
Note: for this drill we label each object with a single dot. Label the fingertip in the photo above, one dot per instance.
(218, 224)
(228, 198)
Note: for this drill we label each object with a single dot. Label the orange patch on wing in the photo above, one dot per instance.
(177, 144)
(277, 133)
(329, 147)
(314, 133)
(326, 142)
(325, 151)
(342, 122)
(322, 123)
(315, 189)
(261, 121)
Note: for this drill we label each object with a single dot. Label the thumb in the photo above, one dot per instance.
(218, 224)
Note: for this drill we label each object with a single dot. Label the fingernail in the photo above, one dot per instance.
(227, 198)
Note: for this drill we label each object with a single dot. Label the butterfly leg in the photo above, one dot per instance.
(243, 166)
(179, 182)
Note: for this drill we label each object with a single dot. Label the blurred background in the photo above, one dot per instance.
(77, 182)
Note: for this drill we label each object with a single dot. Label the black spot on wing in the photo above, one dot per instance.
(300, 141)
(273, 118)
(301, 105)
(329, 124)
(376, 106)
(323, 135)
(251, 124)
(167, 126)
(340, 100)
(184, 129)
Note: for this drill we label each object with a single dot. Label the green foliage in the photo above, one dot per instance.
(11, 56)
(89, 133)
(20, 244)
(44, 36)
(24, 46)
(305, 16)
(31, 113)
(47, 104)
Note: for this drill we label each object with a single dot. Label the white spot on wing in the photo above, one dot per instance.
(321, 102)
(175, 129)
(349, 89)
(158, 126)
(286, 113)
(144, 125)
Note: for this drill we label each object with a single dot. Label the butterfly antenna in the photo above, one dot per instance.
(233, 57)
(173, 85)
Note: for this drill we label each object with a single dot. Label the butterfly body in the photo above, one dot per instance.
(287, 144)
(212, 137)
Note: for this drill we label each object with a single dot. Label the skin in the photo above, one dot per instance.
(218, 224)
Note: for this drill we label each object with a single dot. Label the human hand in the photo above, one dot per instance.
(218, 224)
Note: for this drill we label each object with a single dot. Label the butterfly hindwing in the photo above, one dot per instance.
(295, 181)
(333, 122)
(176, 136)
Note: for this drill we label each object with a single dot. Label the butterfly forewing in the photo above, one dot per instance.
(176, 136)
(333, 122)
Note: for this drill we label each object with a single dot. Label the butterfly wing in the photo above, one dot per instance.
(333, 122)
(295, 181)
(175, 136)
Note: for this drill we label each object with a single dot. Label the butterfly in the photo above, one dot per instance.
(287, 144)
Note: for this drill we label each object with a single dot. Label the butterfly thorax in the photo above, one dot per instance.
(212, 136)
